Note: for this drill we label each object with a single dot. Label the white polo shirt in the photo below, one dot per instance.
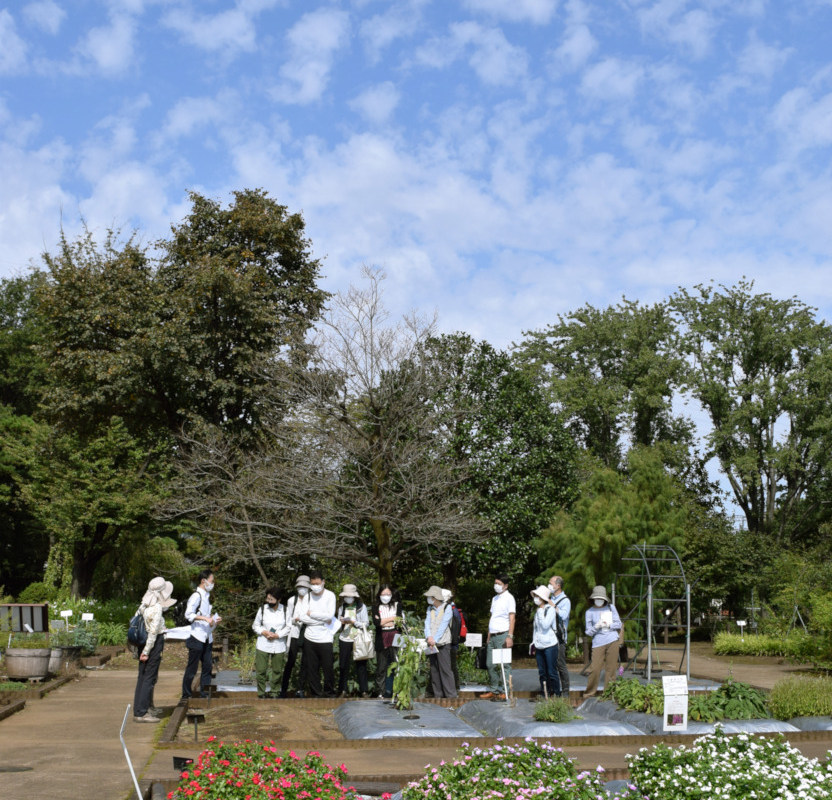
(501, 606)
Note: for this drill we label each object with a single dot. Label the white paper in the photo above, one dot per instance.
(87, 617)
(501, 656)
(675, 716)
(605, 619)
(333, 626)
(675, 685)
(431, 651)
(473, 640)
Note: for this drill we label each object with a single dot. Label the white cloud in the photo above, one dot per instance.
(539, 12)
(761, 60)
(668, 20)
(377, 103)
(612, 79)
(192, 113)
(45, 14)
(110, 47)
(313, 43)
(577, 46)
(12, 47)
(805, 122)
(399, 21)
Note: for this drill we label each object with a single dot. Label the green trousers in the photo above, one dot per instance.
(269, 669)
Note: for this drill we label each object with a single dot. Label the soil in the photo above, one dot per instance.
(264, 721)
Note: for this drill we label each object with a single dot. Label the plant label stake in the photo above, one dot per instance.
(742, 623)
(675, 717)
(502, 656)
(196, 717)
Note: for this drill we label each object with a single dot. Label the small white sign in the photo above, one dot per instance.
(66, 613)
(398, 640)
(501, 656)
(87, 617)
(675, 684)
(473, 640)
(675, 716)
(28, 628)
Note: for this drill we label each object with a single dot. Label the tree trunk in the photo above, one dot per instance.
(385, 555)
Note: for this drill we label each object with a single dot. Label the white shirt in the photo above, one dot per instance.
(502, 605)
(563, 605)
(317, 616)
(293, 603)
(271, 619)
(199, 604)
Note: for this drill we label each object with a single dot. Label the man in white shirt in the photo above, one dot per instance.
(500, 635)
(201, 641)
(320, 627)
(563, 605)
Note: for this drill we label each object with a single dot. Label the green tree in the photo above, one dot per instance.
(762, 370)
(613, 373)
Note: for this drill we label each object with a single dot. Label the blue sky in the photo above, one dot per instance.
(503, 160)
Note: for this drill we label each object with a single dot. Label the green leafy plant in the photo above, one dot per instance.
(801, 696)
(85, 636)
(633, 695)
(13, 686)
(407, 671)
(466, 662)
(30, 641)
(797, 645)
(520, 772)
(242, 658)
(112, 633)
(257, 771)
(733, 700)
(730, 768)
(554, 709)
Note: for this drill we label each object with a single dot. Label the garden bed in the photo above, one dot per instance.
(361, 719)
(35, 691)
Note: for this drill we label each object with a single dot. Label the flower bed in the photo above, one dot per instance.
(511, 772)
(722, 767)
(256, 770)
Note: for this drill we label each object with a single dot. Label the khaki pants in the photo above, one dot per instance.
(269, 669)
(604, 657)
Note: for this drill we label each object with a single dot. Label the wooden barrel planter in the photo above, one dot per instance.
(23, 663)
(60, 655)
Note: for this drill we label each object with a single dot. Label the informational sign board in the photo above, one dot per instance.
(501, 656)
(87, 617)
(675, 716)
(473, 640)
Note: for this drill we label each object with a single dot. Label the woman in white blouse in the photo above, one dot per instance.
(353, 615)
(272, 628)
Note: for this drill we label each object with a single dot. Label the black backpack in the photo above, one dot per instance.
(559, 626)
(137, 631)
(456, 626)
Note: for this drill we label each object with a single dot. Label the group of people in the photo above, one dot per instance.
(304, 625)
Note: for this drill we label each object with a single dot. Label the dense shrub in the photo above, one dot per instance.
(37, 592)
(554, 709)
(797, 645)
(801, 696)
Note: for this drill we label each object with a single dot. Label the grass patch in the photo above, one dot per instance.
(801, 696)
(554, 709)
(797, 645)
(13, 686)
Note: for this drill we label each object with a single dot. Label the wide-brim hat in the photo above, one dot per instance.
(349, 590)
(542, 592)
(154, 589)
(600, 593)
(303, 580)
(435, 592)
(165, 595)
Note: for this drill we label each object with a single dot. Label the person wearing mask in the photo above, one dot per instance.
(201, 641)
(294, 607)
(157, 599)
(602, 626)
(563, 605)
(545, 640)
(318, 617)
(438, 638)
(387, 613)
(500, 635)
(353, 616)
(272, 629)
(456, 625)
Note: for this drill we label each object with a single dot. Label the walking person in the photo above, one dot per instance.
(500, 635)
(156, 600)
(602, 626)
(387, 614)
(354, 617)
(545, 640)
(272, 629)
(438, 638)
(563, 605)
(294, 607)
(318, 617)
(200, 642)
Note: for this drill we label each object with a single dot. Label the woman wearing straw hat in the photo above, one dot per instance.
(353, 616)
(156, 600)
(602, 626)
(545, 640)
(438, 637)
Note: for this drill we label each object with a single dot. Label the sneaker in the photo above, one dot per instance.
(486, 695)
(147, 718)
(156, 711)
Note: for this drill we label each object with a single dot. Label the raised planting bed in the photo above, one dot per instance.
(35, 691)
(500, 719)
(379, 720)
(12, 707)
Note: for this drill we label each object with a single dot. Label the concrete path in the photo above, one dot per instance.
(69, 740)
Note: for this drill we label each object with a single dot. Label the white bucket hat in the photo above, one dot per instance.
(349, 590)
(542, 592)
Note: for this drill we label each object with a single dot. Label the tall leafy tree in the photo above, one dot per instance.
(762, 370)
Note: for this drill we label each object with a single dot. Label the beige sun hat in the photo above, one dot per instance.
(165, 595)
(349, 590)
(302, 581)
(542, 592)
(154, 589)
(435, 592)
(600, 593)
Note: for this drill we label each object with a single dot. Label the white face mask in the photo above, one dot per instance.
(317, 588)
(209, 587)
(599, 602)
(302, 592)
(349, 600)
(538, 601)
(386, 598)
(498, 588)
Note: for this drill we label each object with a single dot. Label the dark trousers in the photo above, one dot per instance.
(198, 652)
(345, 661)
(317, 657)
(455, 665)
(441, 676)
(384, 658)
(547, 670)
(563, 672)
(295, 647)
(148, 673)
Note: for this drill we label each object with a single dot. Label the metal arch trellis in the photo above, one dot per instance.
(656, 574)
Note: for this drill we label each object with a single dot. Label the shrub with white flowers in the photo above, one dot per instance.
(738, 767)
(529, 771)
